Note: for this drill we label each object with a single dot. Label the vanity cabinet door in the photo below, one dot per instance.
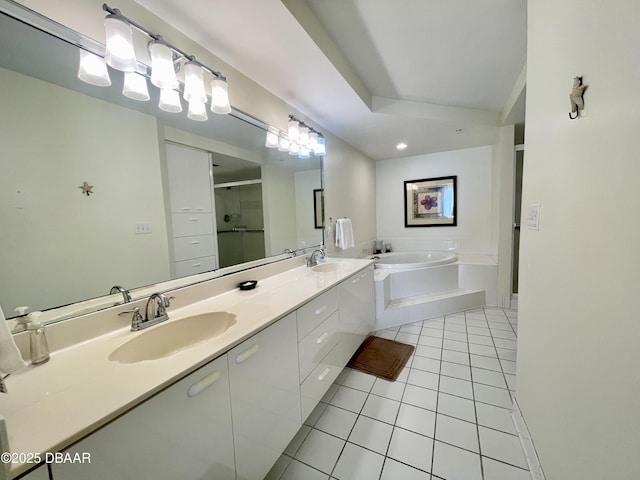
(265, 397)
(357, 311)
(184, 432)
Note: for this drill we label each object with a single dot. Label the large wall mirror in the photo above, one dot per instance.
(167, 200)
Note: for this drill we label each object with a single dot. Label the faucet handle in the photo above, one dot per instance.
(136, 320)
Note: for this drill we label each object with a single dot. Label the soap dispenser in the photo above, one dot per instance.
(37, 340)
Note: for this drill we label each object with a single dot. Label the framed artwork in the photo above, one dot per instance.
(430, 202)
(318, 208)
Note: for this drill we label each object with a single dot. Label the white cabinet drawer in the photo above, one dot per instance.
(314, 312)
(185, 248)
(188, 224)
(316, 385)
(315, 346)
(195, 265)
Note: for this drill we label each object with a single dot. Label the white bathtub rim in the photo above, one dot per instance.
(443, 258)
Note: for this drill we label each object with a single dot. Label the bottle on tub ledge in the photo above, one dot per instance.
(378, 247)
(387, 248)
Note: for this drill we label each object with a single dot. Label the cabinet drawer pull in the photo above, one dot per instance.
(324, 374)
(321, 309)
(356, 280)
(196, 265)
(199, 209)
(193, 219)
(195, 242)
(363, 275)
(247, 354)
(203, 384)
(322, 338)
(185, 209)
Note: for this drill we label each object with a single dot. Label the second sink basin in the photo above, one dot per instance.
(167, 338)
(326, 267)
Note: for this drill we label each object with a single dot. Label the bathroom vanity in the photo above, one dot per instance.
(223, 408)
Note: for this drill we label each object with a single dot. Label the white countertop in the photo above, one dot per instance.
(53, 405)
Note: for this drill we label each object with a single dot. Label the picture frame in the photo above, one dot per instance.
(318, 208)
(430, 202)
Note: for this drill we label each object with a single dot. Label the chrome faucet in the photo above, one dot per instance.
(125, 293)
(155, 312)
(289, 252)
(312, 260)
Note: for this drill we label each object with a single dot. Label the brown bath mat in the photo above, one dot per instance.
(381, 357)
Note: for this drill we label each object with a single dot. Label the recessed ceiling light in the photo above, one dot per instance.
(401, 146)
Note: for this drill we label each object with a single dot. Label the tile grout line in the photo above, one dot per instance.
(473, 393)
(435, 420)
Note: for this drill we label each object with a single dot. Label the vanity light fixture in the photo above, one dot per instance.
(220, 96)
(170, 101)
(119, 53)
(272, 138)
(135, 87)
(300, 139)
(163, 73)
(93, 69)
(197, 110)
(166, 60)
(194, 83)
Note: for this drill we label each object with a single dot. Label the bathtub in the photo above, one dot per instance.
(403, 260)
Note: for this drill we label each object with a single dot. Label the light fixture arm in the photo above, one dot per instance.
(157, 37)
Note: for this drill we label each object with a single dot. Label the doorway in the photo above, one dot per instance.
(519, 159)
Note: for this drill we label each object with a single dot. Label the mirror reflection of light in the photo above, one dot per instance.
(93, 69)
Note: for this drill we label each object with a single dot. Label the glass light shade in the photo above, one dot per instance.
(294, 130)
(294, 148)
(313, 141)
(320, 150)
(163, 73)
(272, 139)
(93, 69)
(119, 49)
(303, 139)
(194, 83)
(197, 111)
(283, 144)
(170, 101)
(220, 96)
(304, 152)
(135, 87)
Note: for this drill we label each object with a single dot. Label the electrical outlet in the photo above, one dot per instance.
(142, 228)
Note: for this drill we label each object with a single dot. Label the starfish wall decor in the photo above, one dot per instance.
(86, 189)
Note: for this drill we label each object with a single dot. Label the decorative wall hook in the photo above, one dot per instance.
(577, 102)
(86, 189)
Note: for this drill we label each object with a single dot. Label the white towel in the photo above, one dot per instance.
(10, 358)
(344, 234)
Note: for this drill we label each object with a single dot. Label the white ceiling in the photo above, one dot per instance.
(436, 74)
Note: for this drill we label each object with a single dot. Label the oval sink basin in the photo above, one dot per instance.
(167, 338)
(326, 267)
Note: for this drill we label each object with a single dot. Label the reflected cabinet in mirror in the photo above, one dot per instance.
(99, 190)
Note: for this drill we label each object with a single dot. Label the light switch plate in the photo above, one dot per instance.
(533, 217)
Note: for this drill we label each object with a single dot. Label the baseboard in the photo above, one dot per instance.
(535, 468)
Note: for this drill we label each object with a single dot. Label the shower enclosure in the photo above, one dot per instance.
(240, 221)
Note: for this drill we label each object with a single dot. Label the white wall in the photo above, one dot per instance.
(305, 183)
(579, 328)
(50, 252)
(349, 187)
(475, 230)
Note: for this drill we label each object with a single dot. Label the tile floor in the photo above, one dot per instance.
(447, 417)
